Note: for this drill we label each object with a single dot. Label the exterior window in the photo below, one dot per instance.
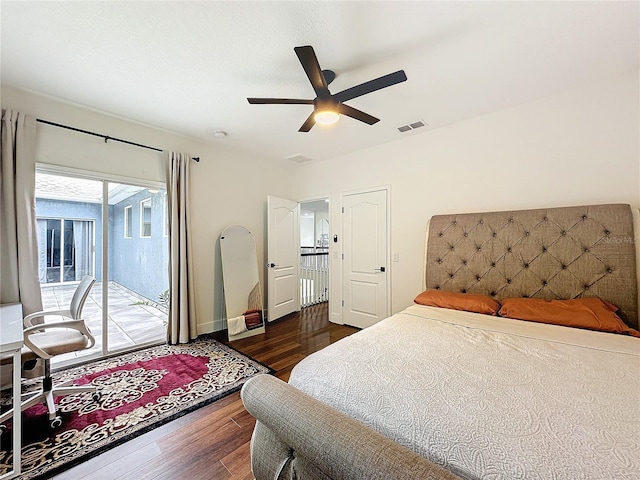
(128, 222)
(145, 218)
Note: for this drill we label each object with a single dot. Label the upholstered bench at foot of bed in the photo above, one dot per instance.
(296, 436)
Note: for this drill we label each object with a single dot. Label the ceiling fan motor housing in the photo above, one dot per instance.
(325, 103)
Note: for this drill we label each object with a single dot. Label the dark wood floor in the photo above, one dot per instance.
(212, 442)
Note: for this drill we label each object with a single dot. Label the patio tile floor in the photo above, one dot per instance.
(131, 323)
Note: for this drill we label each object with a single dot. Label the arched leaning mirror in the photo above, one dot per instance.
(242, 292)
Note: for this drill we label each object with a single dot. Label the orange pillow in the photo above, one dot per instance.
(469, 302)
(590, 313)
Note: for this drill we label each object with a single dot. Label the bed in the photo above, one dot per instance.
(434, 392)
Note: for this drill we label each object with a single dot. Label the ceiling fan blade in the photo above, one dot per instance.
(309, 122)
(309, 62)
(357, 114)
(371, 86)
(292, 101)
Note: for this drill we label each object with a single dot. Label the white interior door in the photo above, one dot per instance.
(365, 271)
(283, 284)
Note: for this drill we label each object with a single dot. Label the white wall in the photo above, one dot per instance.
(577, 147)
(312, 228)
(307, 231)
(222, 193)
(573, 148)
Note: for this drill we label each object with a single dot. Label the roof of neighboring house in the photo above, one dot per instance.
(58, 187)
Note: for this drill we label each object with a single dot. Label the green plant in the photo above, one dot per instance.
(165, 298)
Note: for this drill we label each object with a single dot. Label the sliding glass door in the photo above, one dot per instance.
(137, 266)
(67, 249)
(116, 232)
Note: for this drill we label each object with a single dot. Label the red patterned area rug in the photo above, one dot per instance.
(140, 391)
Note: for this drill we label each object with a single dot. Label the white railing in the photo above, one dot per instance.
(314, 278)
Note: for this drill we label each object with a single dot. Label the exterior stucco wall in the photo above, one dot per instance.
(140, 263)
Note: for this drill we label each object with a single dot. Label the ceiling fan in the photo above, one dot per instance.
(327, 108)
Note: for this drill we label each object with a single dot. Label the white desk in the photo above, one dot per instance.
(11, 341)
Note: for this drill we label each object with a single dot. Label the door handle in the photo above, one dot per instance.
(271, 265)
(381, 269)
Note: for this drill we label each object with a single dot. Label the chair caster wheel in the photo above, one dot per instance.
(56, 422)
(96, 396)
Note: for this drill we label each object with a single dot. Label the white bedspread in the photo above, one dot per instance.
(488, 397)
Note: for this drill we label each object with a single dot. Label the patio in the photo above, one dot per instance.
(133, 320)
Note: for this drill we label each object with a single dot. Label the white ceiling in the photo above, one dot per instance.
(188, 66)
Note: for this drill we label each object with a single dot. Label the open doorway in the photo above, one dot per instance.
(314, 252)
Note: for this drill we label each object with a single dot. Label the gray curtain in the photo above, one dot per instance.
(18, 235)
(41, 224)
(182, 308)
(83, 244)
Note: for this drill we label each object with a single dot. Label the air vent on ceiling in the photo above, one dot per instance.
(298, 158)
(411, 126)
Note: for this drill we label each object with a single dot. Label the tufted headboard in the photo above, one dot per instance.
(553, 253)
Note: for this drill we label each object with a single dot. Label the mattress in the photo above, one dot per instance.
(489, 397)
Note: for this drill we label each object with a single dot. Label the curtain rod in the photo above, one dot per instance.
(106, 137)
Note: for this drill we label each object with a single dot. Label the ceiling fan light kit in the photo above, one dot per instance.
(327, 108)
(326, 117)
